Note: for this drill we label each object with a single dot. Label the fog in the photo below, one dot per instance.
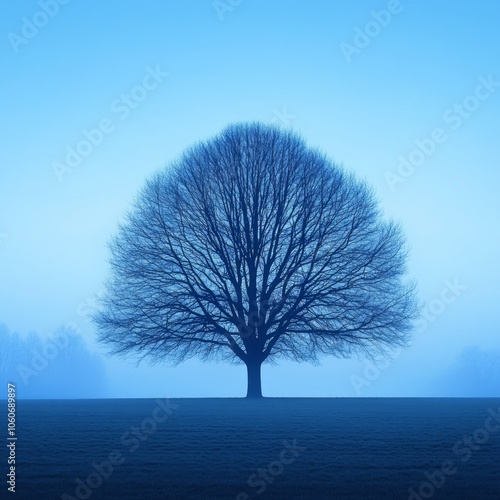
(414, 112)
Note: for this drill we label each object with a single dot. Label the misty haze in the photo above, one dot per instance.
(249, 250)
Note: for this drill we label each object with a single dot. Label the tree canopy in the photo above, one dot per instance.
(253, 247)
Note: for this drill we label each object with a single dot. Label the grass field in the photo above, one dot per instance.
(290, 448)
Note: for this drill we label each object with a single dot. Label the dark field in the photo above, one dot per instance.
(274, 448)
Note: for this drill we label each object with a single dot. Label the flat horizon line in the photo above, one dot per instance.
(243, 398)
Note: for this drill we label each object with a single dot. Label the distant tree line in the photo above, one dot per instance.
(58, 366)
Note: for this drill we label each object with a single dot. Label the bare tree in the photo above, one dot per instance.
(253, 247)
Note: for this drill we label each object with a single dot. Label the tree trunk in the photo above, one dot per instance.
(254, 382)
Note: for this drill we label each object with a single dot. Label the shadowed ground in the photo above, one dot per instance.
(290, 448)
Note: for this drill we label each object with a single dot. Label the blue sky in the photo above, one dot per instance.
(413, 71)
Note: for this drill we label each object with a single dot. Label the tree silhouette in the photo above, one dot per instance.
(253, 247)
